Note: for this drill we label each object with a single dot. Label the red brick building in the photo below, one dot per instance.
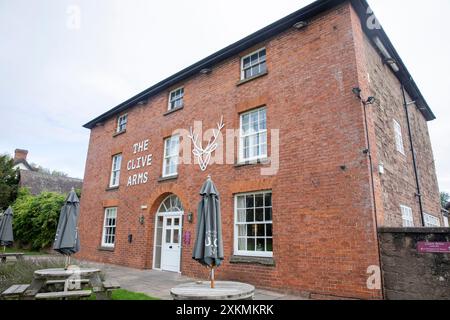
(321, 98)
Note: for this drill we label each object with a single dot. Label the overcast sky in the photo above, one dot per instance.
(54, 77)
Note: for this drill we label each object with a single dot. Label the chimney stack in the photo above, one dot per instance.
(20, 154)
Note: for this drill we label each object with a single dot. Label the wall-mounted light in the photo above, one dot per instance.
(300, 25)
(370, 100)
(190, 217)
(381, 168)
(141, 220)
(206, 71)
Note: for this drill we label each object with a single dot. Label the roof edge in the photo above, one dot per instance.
(308, 12)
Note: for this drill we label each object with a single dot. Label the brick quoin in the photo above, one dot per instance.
(324, 219)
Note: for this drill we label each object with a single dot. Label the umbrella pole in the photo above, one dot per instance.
(212, 277)
(4, 249)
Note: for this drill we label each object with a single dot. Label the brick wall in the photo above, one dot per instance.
(408, 274)
(324, 221)
(397, 186)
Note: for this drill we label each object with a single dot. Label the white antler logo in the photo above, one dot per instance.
(204, 155)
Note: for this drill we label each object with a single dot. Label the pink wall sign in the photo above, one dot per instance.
(187, 238)
(433, 247)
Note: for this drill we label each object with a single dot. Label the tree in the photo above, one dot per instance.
(36, 218)
(9, 181)
(445, 198)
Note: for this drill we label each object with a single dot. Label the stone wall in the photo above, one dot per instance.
(408, 274)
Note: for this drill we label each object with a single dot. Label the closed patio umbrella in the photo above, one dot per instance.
(208, 248)
(67, 241)
(6, 230)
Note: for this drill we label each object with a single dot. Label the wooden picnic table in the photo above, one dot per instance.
(4, 256)
(72, 276)
(223, 290)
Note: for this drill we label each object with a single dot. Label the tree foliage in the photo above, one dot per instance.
(9, 181)
(445, 198)
(36, 218)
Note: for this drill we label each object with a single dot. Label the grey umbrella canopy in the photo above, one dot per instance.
(66, 239)
(208, 248)
(6, 230)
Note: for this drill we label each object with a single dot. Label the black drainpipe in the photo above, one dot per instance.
(418, 193)
(368, 152)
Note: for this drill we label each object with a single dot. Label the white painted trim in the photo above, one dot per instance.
(241, 158)
(118, 122)
(111, 185)
(244, 253)
(165, 154)
(248, 55)
(103, 244)
(170, 94)
(166, 214)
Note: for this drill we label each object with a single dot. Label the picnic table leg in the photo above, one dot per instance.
(3, 259)
(97, 287)
(35, 287)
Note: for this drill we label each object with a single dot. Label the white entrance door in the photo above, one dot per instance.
(171, 243)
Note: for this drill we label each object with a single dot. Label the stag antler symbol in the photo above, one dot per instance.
(204, 155)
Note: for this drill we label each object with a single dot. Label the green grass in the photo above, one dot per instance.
(26, 252)
(122, 294)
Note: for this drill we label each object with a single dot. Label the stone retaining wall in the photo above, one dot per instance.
(408, 274)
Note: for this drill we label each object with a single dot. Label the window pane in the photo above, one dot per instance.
(259, 214)
(242, 244)
(168, 231)
(269, 245)
(251, 244)
(241, 216)
(176, 222)
(169, 221)
(176, 236)
(251, 230)
(268, 214)
(249, 201)
(268, 230)
(260, 232)
(242, 230)
(260, 244)
(250, 215)
(241, 202)
(268, 199)
(259, 200)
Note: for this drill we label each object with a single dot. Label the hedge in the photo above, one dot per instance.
(36, 218)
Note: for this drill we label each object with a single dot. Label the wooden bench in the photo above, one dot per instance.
(15, 291)
(109, 286)
(3, 256)
(63, 295)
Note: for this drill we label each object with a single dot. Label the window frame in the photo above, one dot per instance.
(169, 105)
(398, 136)
(261, 156)
(427, 216)
(111, 184)
(246, 253)
(119, 123)
(114, 227)
(251, 66)
(165, 156)
(405, 209)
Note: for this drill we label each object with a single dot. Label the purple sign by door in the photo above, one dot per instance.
(187, 238)
(433, 247)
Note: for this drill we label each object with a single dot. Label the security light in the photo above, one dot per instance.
(300, 24)
(370, 100)
(206, 71)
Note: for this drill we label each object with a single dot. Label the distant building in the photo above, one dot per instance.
(37, 181)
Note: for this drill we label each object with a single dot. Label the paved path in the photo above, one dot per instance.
(158, 283)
